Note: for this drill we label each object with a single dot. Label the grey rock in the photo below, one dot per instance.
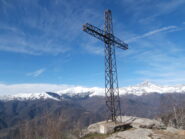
(142, 122)
(133, 134)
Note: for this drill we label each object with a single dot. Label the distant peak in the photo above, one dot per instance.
(146, 84)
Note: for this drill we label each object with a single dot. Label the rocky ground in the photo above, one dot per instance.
(142, 128)
(142, 133)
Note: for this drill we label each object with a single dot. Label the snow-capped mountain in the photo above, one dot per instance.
(27, 96)
(84, 92)
(147, 87)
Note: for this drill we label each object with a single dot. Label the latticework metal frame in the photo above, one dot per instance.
(111, 78)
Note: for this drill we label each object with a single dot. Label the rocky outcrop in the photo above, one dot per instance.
(141, 128)
(124, 122)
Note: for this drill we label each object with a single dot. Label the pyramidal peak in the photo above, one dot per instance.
(147, 84)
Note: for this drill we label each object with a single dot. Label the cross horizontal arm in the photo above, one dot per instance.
(120, 44)
(103, 36)
(94, 31)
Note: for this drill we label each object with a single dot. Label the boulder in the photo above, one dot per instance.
(137, 122)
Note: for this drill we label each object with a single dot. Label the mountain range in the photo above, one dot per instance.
(80, 106)
(84, 92)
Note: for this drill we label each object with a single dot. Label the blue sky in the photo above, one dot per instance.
(41, 41)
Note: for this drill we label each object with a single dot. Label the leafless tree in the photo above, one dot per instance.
(173, 110)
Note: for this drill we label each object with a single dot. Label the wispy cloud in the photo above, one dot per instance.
(162, 66)
(93, 46)
(36, 73)
(158, 58)
(170, 6)
(44, 31)
(94, 49)
(163, 8)
(152, 33)
(147, 11)
(164, 77)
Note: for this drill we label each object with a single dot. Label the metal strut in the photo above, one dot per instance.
(111, 78)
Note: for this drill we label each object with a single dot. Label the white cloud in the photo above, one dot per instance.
(36, 73)
(6, 89)
(152, 33)
(12, 89)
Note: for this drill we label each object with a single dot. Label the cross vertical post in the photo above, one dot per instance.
(111, 81)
